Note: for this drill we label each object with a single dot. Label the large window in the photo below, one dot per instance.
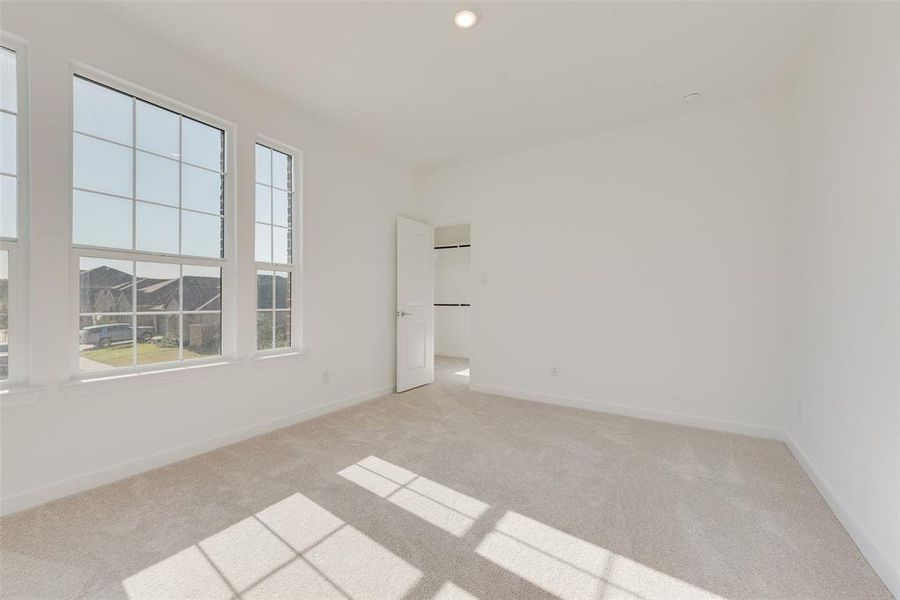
(9, 205)
(275, 248)
(149, 230)
(4, 316)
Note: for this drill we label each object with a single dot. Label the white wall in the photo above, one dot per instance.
(62, 443)
(452, 285)
(844, 284)
(647, 264)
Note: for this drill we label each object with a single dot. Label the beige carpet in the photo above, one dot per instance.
(444, 493)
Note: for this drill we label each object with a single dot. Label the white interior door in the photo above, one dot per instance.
(415, 304)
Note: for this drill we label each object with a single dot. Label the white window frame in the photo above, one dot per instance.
(229, 348)
(18, 263)
(297, 240)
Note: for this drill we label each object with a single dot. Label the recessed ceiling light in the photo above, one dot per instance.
(692, 97)
(465, 19)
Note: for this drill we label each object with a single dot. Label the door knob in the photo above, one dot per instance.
(402, 313)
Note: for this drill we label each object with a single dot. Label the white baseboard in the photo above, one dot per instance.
(879, 562)
(630, 411)
(451, 354)
(86, 481)
(889, 573)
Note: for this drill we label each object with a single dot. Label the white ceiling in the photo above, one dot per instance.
(400, 75)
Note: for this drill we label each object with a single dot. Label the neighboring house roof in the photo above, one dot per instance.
(105, 289)
(155, 285)
(202, 293)
(264, 290)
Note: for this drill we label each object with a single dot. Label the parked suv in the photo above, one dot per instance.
(102, 336)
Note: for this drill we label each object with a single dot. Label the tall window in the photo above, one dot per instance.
(9, 202)
(274, 247)
(148, 228)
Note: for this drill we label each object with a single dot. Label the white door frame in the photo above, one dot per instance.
(465, 219)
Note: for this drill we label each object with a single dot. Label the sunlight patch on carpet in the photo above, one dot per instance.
(437, 504)
(293, 546)
(573, 569)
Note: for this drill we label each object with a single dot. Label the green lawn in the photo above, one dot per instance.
(120, 356)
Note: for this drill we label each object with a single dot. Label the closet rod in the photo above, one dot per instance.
(455, 246)
(453, 305)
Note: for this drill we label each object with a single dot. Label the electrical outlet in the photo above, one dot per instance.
(554, 371)
(324, 377)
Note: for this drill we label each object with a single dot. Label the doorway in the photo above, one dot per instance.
(452, 301)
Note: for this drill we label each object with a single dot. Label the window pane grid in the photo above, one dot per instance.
(9, 209)
(134, 226)
(274, 247)
(133, 336)
(180, 230)
(158, 209)
(131, 255)
(141, 150)
(146, 313)
(277, 247)
(9, 146)
(139, 201)
(274, 308)
(4, 315)
(100, 138)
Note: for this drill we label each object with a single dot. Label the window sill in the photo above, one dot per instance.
(19, 396)
(288, 356)
(100, 383)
